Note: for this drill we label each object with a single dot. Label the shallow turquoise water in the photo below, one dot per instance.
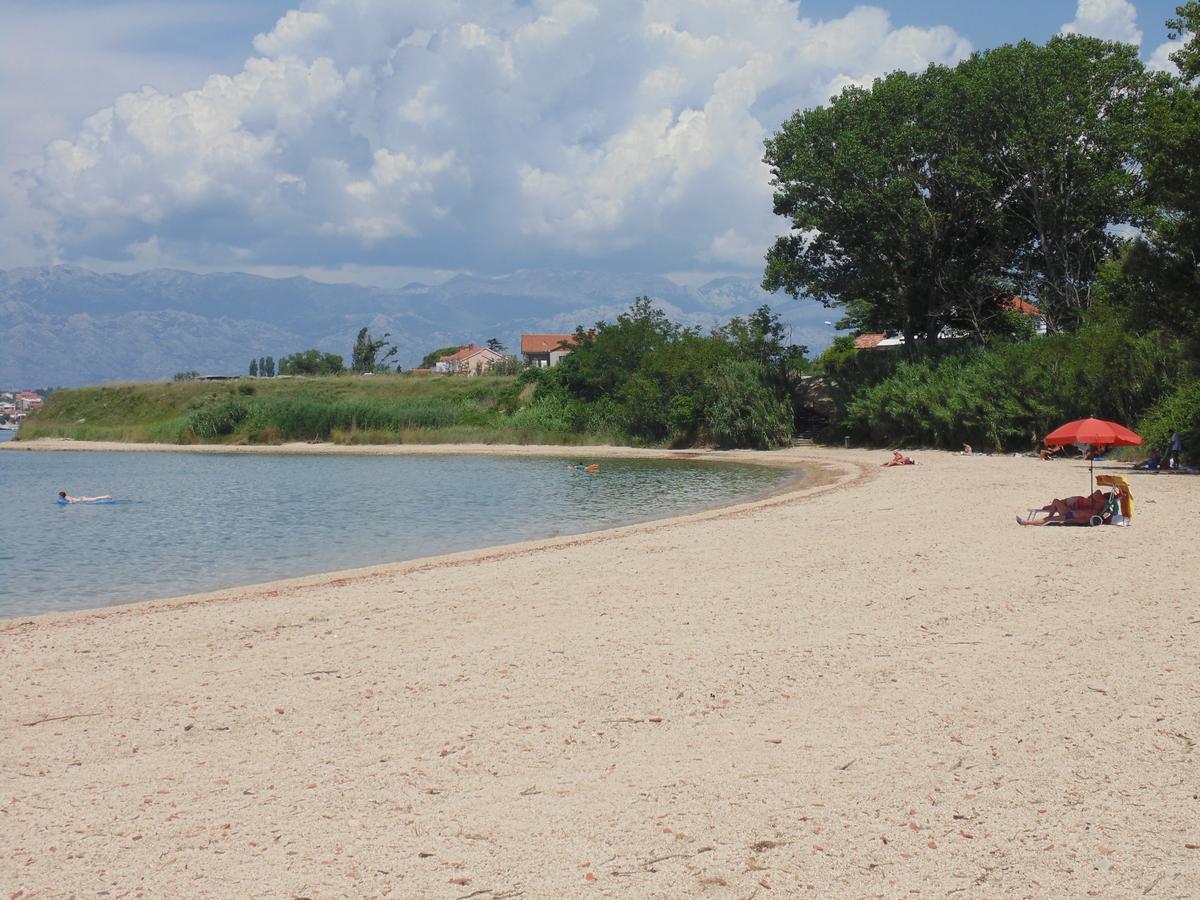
(198, 522)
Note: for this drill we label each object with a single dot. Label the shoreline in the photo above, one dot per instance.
(757, 457)
(808, 481)
(880, 687)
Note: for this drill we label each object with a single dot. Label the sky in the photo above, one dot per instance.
(386, 141)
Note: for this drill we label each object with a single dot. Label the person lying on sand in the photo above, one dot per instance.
(899, 459)
(1153, 463)
(63, 498)
(1071, 511)
(1052, 452)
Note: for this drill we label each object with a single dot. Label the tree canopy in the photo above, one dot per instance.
(311, 362)
(655, 380)
(922, 202)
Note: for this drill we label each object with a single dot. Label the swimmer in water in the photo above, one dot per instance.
(63, 498)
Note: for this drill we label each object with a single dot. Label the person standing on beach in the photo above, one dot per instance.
(1175, 449)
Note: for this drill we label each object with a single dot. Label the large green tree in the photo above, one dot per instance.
(920, 203)
(1065, 121)
(890, 206)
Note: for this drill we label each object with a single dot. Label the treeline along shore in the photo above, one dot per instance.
(645, 381)
(639, 380)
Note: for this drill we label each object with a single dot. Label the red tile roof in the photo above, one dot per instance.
(867, 341)
(1018, 305)
(464, 353)
(544, 343)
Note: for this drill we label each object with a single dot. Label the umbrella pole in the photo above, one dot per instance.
(1091, 476)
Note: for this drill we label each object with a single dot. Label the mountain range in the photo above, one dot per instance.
(67, 326)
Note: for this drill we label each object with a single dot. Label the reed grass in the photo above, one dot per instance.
(346, 410)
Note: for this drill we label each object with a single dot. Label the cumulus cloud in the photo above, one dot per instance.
(481, 135)
(1111, 20)
(1160, 59)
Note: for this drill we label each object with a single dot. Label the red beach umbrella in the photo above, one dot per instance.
(1094, 432)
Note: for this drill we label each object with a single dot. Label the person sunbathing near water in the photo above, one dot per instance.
(899, 459)
(1071, 511)
(63, 498)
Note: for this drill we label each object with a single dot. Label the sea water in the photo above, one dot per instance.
(192, 522)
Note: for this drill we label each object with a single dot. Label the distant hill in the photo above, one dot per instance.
(67, 326)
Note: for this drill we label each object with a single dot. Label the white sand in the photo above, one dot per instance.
(875, 686)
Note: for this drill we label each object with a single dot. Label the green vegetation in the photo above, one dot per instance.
(921, 204)
(1009, 395)
(654, 382)
(311, 362)
(383, 409)
(925, 201)
(641, 379)
(366, 358)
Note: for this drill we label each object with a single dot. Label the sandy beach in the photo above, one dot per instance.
(875, 684)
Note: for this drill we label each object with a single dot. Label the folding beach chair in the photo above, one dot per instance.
(1118, 507)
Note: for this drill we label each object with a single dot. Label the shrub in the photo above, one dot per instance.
(1178, 411)
(217, 420)
(742, 411)
(1008, 396)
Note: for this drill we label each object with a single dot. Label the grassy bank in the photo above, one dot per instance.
(344, 409)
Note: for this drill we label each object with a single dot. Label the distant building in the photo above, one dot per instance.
(875, 340)
(28, 400)
(545, 350)
(470, 360)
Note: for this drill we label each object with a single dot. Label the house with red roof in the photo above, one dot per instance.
(875, 341)
(470, 360)
(545, 350)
